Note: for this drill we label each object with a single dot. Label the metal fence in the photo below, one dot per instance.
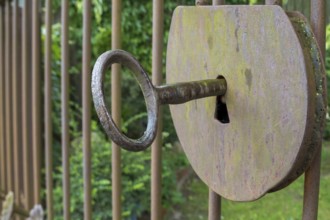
(20, 102)
(26, 109)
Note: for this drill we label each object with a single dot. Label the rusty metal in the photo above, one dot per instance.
(218, 2)
(203, 2)
(180, 93)
(36, 96)
(214, 211)
(169, 94)
(65, 108)
(2, 102)
(312, 175)
(312, 188)
(48, 111)
(8, 106)
(154, 96)
(116, 110)
(156, 149)
(318, 23)
(273, 2)
(26, 73)
(86, 84)
(16, 126)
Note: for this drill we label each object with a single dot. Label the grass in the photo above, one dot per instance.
(285, 204)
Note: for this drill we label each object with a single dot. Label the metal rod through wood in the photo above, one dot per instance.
(65, 108)
(214, 211)
(48, 111)
(157, 70)
(179, 93)
(116, 110)
(312, 175)
(86, 105)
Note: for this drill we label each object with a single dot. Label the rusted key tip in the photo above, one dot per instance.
(102, 64)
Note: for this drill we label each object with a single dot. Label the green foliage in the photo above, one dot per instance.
(137, 39)
(327, 65)
(286, 204)
(253, 2)
(135, 179)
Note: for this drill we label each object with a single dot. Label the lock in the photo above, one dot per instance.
(259, 78)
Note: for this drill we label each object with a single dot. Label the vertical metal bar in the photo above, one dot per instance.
(25, 91)
(214, 211)
(218, 2)
(15, 63)
(318, 22)
(65, 109)
(116, 111)
(87, 108)
(312, 175)
(214, 206)
(48, 110)
(156, 147)
(202, 2)
(36, 92)
(303, 7)
(273, 2)
(19, 104)
(2, 104)
(8, 97)
(311, 189)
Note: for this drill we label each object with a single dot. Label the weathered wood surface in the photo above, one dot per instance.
(314, 66)
(271, 97)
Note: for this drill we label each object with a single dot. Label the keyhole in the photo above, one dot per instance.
(221, 111)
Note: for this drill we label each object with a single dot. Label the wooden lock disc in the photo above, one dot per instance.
(275, 97)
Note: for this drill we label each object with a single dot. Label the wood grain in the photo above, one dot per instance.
(270, 98)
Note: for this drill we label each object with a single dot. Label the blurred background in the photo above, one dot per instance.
(184, 196)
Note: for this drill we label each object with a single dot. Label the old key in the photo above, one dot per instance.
(154, 96)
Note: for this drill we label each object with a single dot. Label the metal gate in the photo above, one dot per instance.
(26, 107)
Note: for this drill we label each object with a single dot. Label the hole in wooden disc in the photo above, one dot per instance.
(221, 111)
